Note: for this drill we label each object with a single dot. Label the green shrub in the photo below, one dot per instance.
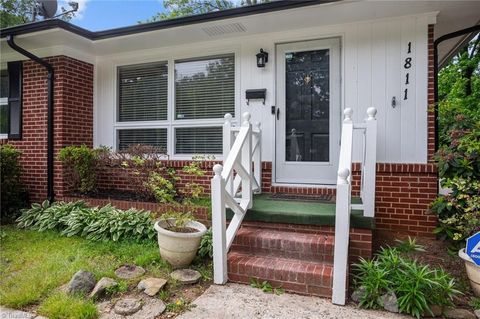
(162, 188)
(13, 196)
(459, 211)
(76, 219)
(82, 161)
(206, 245)
(417, 287)
(177, 221)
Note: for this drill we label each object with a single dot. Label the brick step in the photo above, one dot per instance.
(303, 277)
(285, 244)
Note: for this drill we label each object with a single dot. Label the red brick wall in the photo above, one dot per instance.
(73, 119)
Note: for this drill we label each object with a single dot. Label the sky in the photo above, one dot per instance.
(98, 15)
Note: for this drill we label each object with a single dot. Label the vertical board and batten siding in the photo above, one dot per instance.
(373, 57)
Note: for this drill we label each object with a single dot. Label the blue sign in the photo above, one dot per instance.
(473, 248)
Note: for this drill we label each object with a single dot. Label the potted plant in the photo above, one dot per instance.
(473, 272)
(179, 237)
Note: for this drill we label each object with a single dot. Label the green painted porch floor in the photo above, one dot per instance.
(300, 212)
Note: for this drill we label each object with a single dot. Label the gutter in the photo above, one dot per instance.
(50, 84)
(468, 31)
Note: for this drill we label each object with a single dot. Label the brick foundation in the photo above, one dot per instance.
(73, 119)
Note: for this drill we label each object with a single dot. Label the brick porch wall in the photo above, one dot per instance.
(73, 119)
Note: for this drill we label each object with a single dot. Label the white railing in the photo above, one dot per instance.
(233, 186)
(344, 193)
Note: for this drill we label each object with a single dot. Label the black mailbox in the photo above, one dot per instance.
(256, 94)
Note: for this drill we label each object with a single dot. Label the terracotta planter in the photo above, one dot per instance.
(473, 272)
(179, 249)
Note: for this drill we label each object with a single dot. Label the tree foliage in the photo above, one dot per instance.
(15, 12)
(181, 8)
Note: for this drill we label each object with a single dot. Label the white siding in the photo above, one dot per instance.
(373, 55)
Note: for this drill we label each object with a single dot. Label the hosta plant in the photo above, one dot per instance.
(98, 223)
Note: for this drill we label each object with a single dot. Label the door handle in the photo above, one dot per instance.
(278, 113)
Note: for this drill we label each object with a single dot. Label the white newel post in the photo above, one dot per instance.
(227, 145)
(219, 227)
(257, 160)
(370, 162)
(342, 232)
(247, 160)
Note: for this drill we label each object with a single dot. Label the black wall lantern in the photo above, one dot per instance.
(262, 58)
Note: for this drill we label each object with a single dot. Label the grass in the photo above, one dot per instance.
(61, 306)
(34, 264)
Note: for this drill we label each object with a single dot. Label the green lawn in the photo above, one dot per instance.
(34, 264)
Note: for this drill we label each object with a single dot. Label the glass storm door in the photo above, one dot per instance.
(308, 115)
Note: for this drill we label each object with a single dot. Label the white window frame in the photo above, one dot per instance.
(171, 123)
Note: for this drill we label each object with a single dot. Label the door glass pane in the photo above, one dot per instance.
(307, 106)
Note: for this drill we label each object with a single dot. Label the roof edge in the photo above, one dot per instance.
(158, 25)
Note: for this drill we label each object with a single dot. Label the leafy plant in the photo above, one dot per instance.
(206, 245)
(416, 286)
(192, 190)
(162, 189)
(179, 305)
(82, 160)
(13, 195)
(459, 211)
(266, 287)
(76, 219)
(409, 245)
(177, 221)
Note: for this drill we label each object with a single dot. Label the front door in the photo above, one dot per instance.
(308, 115)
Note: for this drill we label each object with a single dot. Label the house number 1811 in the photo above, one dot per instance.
(407, 65)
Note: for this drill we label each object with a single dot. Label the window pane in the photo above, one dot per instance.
(142, 92)
(153, 136)
(3, 118)
(3, 83)
(198, 140)
(205, 88)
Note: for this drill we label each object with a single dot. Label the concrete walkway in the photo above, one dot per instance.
(242, 301)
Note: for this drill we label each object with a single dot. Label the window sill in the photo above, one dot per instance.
(3, 136)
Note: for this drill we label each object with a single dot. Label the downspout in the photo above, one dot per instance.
(444, 37)
(50, 83)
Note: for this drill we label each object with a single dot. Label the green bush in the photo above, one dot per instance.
(417, 287)
(76, 219)
(206, 245)
(458, 212)
(13, 196)
(82, 161)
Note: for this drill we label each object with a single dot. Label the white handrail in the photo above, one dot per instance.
(344, 194)
(241, 146)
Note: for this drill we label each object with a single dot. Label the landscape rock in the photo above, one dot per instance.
(127, 306)
(358, 294)
(458, 314)
(151, 309)
(81, 283)
(129, 272)
(101, 287)
(477, 313)
(389, 302)
(151, 286)
(186, 276)
(437, 311)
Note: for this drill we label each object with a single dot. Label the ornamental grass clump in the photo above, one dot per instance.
(98, 223)
(417, 287)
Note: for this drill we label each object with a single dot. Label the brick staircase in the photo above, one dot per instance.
(300, 262)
